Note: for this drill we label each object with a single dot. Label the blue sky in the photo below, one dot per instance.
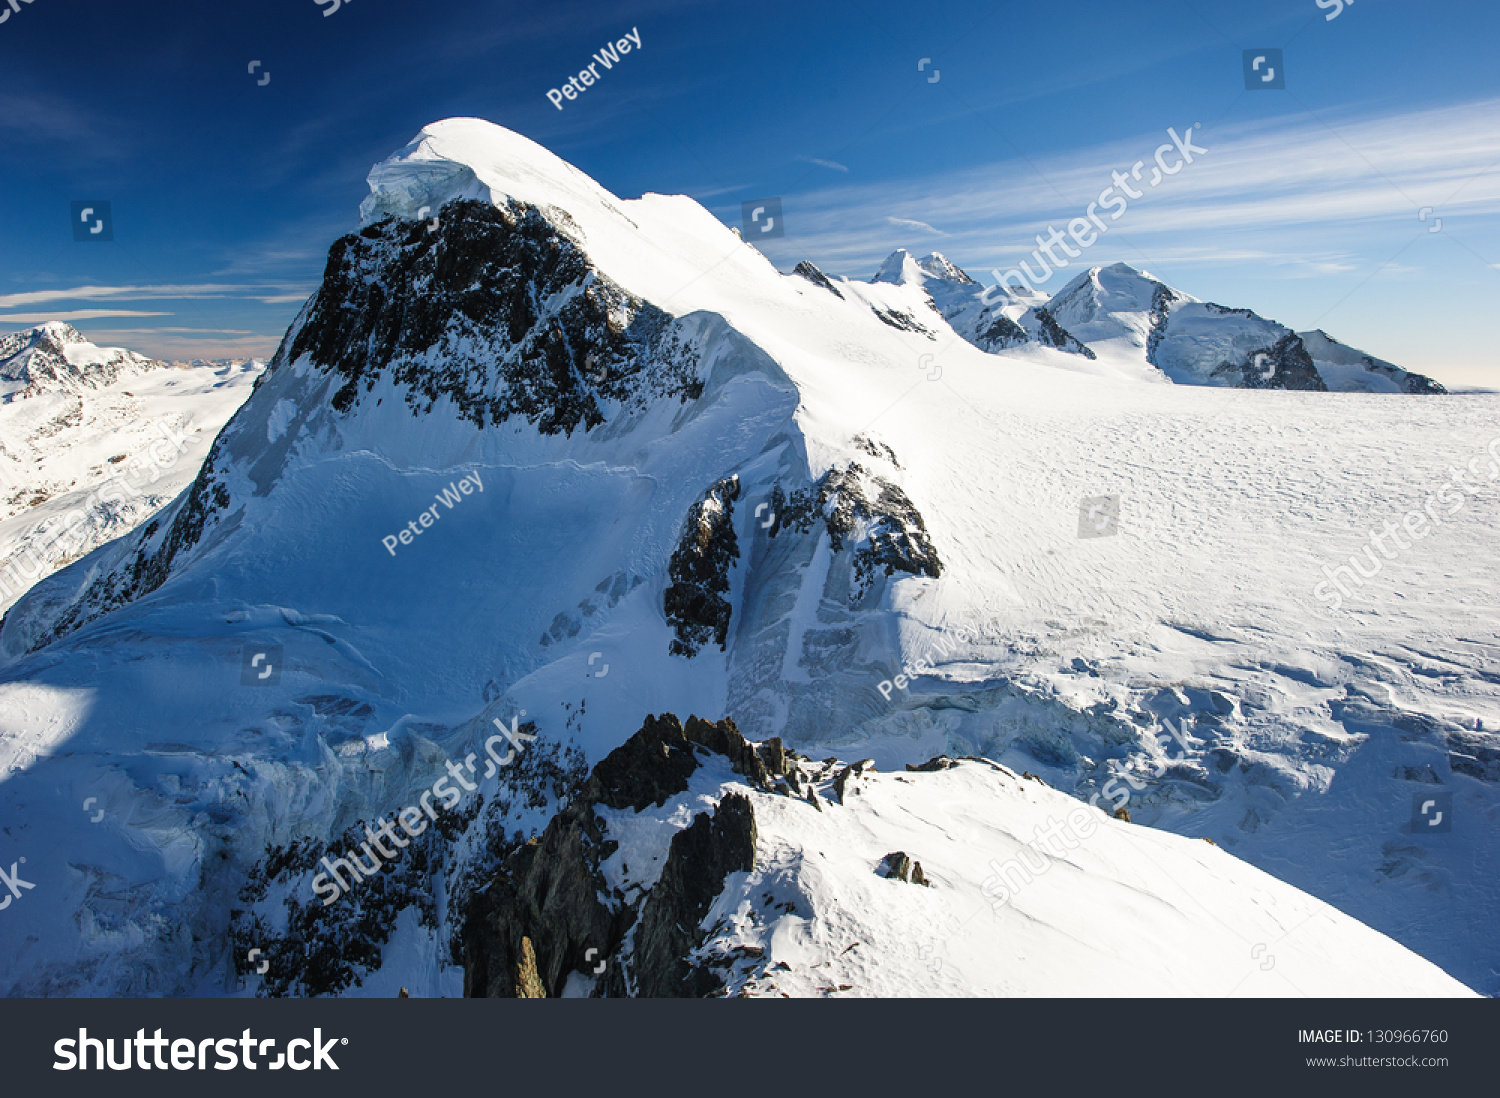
(226, 193)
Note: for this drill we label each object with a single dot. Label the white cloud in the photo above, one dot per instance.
(906, 221)
(93, 293)
(279, 293)
(1302, 190)
(835, 165)
(27, 319)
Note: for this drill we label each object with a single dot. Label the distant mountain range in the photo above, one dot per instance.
(1126, 322)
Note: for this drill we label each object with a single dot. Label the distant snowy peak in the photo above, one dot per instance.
(55, 356)
(1348, 370)
(1127, 315)
(901, 269)
(939, 266)
(993, 320)
(1111, 302)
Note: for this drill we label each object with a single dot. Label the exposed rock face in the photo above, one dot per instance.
(695, 604)
(550, 896)
(318, 949)
(886, 532)
(816, 277)
(1284, 365)
(899, 866)
(1000, 334)
(1162, 298)
(1054, 334)
(498, 310)
(904, 322)
(700, 858)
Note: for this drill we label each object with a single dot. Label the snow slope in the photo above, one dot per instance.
(1116, 910)
(79, 416)
(676, 443)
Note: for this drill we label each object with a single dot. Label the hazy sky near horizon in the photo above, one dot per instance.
(1311, 205)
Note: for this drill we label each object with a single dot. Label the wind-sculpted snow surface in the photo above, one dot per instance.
(712, 488)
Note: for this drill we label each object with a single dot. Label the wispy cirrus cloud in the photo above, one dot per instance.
(835, 165)
(907, 222)
(1307, 194)
(124, 293)
(26, 319)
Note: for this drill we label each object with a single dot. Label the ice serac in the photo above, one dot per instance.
(711, 488)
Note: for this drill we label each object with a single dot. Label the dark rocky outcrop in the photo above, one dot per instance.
(899, 866)
(1054, 334)
(1002, 334)
(695, 603)
(548, 906)
(903, 321)
(853, 770)
(499, 310)
(938, 762)
(893, 535)
(1162, 299)
(816, 277)
(700, 859)
(1283, 365)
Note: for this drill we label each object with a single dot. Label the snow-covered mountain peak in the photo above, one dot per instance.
(54, 356)
(1100, 292)
(899, 269)
(902, 269)
(470, 158)
(938, 265)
